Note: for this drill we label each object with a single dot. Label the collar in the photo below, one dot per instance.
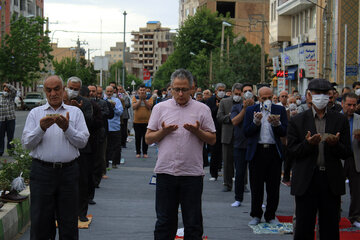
(186, 104)
(62, 106)
(315, 114)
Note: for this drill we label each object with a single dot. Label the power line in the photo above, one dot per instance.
(106, 32)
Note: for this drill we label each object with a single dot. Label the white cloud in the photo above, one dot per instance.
(88, 17)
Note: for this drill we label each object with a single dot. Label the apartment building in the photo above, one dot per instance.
(27, 8)
(306, 45)
(187, 8)
(116, 54)
(152, 45)
(240, 12)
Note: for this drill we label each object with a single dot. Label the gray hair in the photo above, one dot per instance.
(182, 74)
(237, 86)
(74, 80)
(219, 85)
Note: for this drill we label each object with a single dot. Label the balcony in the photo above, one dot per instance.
(291, 7)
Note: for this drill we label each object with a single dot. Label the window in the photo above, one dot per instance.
(187, 12)
(306, 21)
(194, 10)
(297, 26)
(16, 2)
(293, 27)
(272, 12)
(313, 18)
(226, 7)
(275, 11)
(301, 23)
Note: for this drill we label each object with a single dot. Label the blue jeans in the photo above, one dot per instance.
(240, 170)
(170, 192)
(7, 126)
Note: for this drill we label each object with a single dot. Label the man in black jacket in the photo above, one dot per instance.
(317, 140)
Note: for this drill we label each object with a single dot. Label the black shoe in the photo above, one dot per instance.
(92, 202)
(83, 219)
(226, 189)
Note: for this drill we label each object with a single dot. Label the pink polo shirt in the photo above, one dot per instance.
(180, 152)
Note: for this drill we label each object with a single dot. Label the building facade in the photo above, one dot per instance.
(26, 8)
(307, 41)
(116, 54)
(187, 8)
(152, 45)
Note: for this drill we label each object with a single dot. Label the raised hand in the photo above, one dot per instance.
(46, 122)
(313, 140)
(76, 104)
(257, 117)
(168, 128)
(333, 140)
(63, 122)
(192, 128)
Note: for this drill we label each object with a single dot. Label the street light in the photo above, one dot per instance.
(224, 24)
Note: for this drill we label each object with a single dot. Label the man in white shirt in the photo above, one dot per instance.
(54, 133)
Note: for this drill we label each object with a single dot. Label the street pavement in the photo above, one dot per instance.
(125, 205)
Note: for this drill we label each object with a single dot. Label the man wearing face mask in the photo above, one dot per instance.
(216, 154)
(227, 136)
(73, 98)
(264, 125)
(7, 116)
(317, 140)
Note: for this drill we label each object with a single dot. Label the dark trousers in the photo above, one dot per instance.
(8, 127)
(265, 167)
(216, 158)
(287, 164)
(240, 173)
(170, 192)
(113, 150)
(54, 192)
(84, 165)
(318, 198)
(354, 185)
(140, 130)
(205, 155)
(124, 132)
(99, 163)
(228, 158)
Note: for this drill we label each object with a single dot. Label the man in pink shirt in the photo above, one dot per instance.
(180, 126)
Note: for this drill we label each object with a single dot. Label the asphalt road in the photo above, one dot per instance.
(125, 206)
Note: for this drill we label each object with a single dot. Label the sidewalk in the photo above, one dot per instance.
(125, 206)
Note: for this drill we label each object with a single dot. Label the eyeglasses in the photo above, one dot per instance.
(181, 89)
(283, 96)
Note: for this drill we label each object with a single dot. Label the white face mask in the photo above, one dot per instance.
(298, 102)
(357, 92)
(164, 95)
(71, 93)
(236, 98)
(292, 107)
(221, 94)
(248, 95)
(267, 105)
(320, 101)
(6, 94)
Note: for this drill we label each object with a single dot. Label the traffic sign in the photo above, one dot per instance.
(133, 83)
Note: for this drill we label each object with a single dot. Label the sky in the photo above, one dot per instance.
(105, 16)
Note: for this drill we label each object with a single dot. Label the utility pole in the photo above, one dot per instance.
(123, 65)
(327, 19)
(254, 19)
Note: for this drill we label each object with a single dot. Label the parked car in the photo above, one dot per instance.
(34, 99)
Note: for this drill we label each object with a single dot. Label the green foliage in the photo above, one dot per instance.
(21, 164)
(128, 77)
(68, 67)
(25, 52)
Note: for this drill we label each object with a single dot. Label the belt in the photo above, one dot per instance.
(266, 145)
(55, 164)
(321, 168)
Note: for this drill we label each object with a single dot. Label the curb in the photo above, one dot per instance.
(14, 217)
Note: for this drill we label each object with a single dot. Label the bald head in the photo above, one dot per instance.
(109, 91)
(283, 97)
(265, 93)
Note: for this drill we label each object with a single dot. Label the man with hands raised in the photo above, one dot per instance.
(318, 139)
(54, 133)
(180, 126)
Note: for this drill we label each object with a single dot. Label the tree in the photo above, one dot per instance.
(25, 52)
(68, 67)
(204, 25)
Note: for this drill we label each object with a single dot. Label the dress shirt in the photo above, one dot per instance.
(266, 131)
(320, 124)
(114, 123)
(55, 145)
(181, 152)
(7, 104)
